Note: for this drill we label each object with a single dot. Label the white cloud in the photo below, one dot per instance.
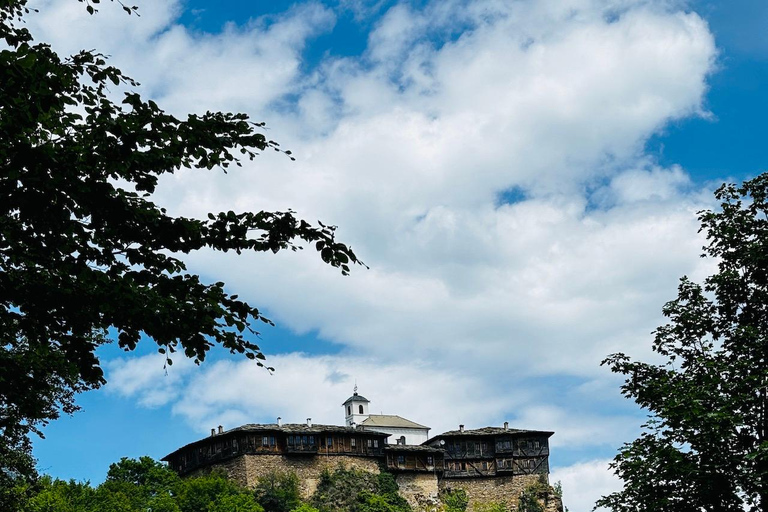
(148, 378)
(584, 483)
(408, 148)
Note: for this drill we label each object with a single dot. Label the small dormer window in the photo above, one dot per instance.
(360, 407)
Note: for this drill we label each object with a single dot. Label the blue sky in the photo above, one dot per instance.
(522, 177)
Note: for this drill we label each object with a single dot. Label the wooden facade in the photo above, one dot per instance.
(485, 452)
(289, 440)
(407, 458)
(493, 451)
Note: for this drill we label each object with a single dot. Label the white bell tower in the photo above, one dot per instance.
(355, 409)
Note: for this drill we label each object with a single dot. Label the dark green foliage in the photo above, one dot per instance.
(305, 507)
(352, 490)
(142, 485)
(705, 447)
(84, 249)
(278, 491)
(529, 501)
(455, 500)
(493, 506)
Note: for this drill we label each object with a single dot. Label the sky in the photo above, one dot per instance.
(522, 178)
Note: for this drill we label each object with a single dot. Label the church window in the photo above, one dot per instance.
(360, 408)
(349, 410)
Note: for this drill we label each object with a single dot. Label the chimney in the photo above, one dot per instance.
(221, 429)
(506, 425)
(353, 424)
(461, 428)
(309, 422)
(213, 432)
(279, 421)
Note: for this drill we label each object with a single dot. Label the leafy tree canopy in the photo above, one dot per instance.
(82, 246)
(278, 491)
(353, 490)
(705, 447)
(141, 485)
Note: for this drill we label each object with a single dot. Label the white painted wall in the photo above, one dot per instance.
(355, 416)
(412, 435)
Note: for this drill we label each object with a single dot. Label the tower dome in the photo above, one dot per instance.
(355, 408)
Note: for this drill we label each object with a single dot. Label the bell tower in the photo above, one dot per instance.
(355, 409)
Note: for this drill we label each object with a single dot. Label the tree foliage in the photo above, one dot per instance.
(84, 249)
(455, 500)
(278, 491)
(705, 447)
(353, 490)
(141, 485)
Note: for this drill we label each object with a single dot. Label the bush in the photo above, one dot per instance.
(278, 491)
(353, 490)
(529, 499)
(455, 500)
(493, 506)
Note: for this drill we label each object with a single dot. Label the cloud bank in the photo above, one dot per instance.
(485, 158)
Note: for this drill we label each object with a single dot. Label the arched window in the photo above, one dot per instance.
(361, 409)
(349, 410)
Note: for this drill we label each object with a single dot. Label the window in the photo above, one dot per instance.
(305, 440)
(290, 440)
(349, 410)
(352, 442)
(311, 440)
(430, 461)
(400, 460)
(360, 408)
(375, 443)
(477, 447)
(272, 441)
(370, 443)
(536, 445)
(329, 441)
(484, 466)
(265, 441)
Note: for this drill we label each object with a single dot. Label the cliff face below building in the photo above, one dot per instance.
(421, 490)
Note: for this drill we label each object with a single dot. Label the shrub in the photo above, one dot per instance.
(455, 500)
(278, 491)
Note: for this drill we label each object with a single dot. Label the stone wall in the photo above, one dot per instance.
(247, 469)
(505, 489)
(419, 489)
